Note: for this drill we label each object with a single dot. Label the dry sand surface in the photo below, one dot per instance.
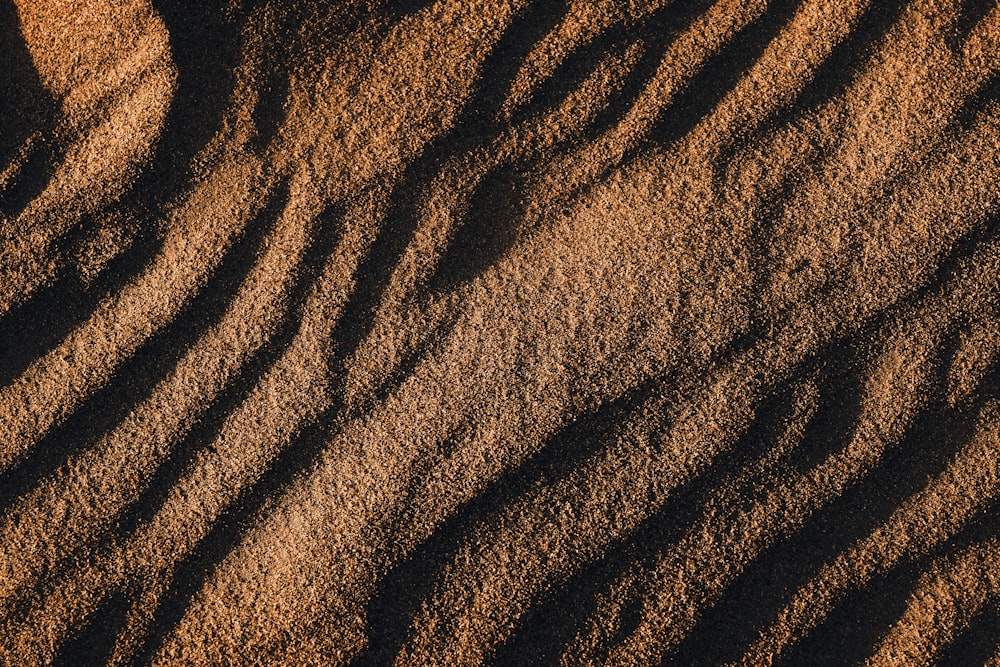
(462, 332)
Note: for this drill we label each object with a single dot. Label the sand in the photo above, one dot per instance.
(458, 332)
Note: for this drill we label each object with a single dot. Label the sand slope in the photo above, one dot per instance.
(499, 332)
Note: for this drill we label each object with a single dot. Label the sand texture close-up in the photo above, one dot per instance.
(499, 332)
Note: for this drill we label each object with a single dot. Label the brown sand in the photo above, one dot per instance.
(499, 332)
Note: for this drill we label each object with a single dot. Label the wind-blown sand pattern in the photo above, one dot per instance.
(499, 332)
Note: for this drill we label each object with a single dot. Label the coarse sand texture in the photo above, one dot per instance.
(499, 332)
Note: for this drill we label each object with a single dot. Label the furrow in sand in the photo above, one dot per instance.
(108, 124)
(924, 521)
(256, 438)
(977, 354)
(55, 519)
(292, 392)
(797, 341)
(681, 62)
(692, 575)
(583, 23)
(512, 591)
(57, 383)
(945, 600)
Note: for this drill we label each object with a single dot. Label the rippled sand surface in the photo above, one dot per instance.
(457, 332)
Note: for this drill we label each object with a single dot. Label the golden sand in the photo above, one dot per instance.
(467, 332)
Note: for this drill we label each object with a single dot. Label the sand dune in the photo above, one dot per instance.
(499, 332)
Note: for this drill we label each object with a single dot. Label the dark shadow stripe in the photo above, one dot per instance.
(93, 645)
(409, 583)
(25, 107)
(720, 74)
(977, 642)
(828, 81)
(559, 614)
(861, 617)
(137, 376)
(37, 326)
(209, 425)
